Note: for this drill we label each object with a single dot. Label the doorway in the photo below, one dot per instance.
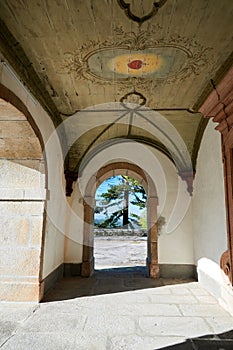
(121, 169)
(120, 223)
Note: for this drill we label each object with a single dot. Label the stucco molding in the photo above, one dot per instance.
(126, 6)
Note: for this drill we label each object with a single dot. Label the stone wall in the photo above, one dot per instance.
(101, 232)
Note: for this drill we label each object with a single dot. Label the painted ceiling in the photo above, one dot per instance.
(168, 54)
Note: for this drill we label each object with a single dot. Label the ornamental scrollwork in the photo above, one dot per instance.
(196, 57)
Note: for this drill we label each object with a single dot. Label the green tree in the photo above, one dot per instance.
(143, 220)
(114, 203)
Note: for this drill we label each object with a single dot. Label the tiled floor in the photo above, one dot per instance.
(118, 309)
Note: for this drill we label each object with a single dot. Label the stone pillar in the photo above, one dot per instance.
(219, 106)
(152, 240)
(88, 239)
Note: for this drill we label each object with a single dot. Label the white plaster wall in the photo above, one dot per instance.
(175, 247)
(56, 203)
(74, 231)
(209, 217)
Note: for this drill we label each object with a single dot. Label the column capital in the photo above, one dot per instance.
(188, 177)
(70, 177)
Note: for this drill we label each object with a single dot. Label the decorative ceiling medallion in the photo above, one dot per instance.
(135, 64)
(137, 59)
(120, 64)
(134, 98)
(126, 6)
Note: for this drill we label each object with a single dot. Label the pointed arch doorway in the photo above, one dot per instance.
(114, 169)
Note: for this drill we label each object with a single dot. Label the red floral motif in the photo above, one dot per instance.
(136, 64)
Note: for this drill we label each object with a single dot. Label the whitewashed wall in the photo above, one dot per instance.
(209, 217)
(175, 247)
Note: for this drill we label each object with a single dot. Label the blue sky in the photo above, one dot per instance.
(104, 187)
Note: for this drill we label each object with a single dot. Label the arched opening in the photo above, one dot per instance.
(114, 169)
(120, 223)
(22, 201)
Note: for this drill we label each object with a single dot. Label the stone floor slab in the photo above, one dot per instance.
(84, 314)
(203, 310)
(109, 325)
(58, 322)
(174, 326)
(138, 342)
(39, 341)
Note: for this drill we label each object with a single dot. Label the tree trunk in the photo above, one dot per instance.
(126, 205)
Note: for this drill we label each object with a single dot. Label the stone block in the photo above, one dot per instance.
(21, 147)
(54, 323)
(173, 299)
(137, 342)
(36, 231)
(85, 341)
(149, 310)
(22, 230)
(6, 330)
(23, 208)
(203, 310)
(45, 341)
(174, 326)
(16, 291)
(14, 231)
(16, 261)
(109, 324)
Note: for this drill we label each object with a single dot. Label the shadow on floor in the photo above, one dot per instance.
(107, 281)
(223, 341)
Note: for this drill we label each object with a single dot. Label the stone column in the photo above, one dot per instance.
(88, 239)
(152, 240)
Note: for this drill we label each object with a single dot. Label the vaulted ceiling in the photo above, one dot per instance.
(167, 55)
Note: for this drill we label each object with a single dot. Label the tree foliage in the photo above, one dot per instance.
(114, 203)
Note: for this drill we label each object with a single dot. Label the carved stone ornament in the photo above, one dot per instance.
(155, 5)
(134, 97)
(137, 59)
(70, 178)
(188, 177)
(225, 264)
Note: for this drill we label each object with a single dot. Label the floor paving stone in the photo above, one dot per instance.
(118, 309)
(174, 326)
(45, 341)
(205, 310)
(137, 342)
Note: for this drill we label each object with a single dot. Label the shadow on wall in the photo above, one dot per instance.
(223, 341)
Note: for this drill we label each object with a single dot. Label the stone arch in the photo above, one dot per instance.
(23, 182)
(113, 169)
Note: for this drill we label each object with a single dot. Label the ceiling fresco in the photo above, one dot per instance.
(166, 55)
(142, 56)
